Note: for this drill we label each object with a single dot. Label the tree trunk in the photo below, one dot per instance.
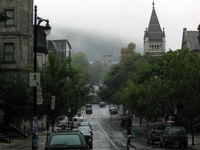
(53, 123)
(192, 132)
(140, 122)
(47, 130)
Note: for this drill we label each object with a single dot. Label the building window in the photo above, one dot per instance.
(9, 52)
(10, 14)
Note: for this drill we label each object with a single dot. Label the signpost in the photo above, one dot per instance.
(53, 99)
(39, 96)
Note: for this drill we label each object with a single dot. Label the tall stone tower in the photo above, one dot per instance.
(154, 37)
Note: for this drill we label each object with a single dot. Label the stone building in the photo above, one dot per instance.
(190, 41)
(154, 37)
(16, 37)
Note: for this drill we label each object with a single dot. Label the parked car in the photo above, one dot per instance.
(88, 109)
(174, 135)
(102, 104)
(69, 123)
(154, 132)
(110, 106)
(87, 135)
(66, 140)
(85, 123)
(76, 121)
(88, 128)
(113, 110)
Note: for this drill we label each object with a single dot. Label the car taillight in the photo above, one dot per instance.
(166, 136)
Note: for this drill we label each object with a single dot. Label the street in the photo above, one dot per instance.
(108, 135)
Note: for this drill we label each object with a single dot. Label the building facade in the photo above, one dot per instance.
(61, 48)
(154, 37)
(16, 36)
(190, 40)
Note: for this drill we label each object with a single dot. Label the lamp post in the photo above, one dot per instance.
(199, 36)
(47, 29)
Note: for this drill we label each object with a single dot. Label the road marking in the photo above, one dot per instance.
(108, 138)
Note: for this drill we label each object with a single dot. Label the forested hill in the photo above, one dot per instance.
(94, 45)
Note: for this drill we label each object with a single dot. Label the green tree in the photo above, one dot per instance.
(126, 52)
(97, 72)
(3, 17)
(80, 61)
(68, 86)
(16, 102)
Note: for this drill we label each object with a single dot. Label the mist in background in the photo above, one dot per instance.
(112, 24)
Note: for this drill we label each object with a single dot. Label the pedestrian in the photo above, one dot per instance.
(130, 133)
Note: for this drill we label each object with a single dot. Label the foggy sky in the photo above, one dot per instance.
(126, 19)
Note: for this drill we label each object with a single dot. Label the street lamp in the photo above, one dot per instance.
(46, 30)
(199, 35)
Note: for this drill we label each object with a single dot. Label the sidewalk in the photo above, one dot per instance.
(143, 131)
(24, 144)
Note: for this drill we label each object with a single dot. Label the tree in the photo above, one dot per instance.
(80, 61)
(68, 86)
(16, 102)
(3, 17)
(126, 52)
(97, 72)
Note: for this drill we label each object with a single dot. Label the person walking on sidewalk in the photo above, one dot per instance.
(130, 133)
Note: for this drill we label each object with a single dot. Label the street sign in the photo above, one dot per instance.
(34, 79)
(53, 99)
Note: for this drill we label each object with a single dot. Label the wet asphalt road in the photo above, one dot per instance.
(108, 135)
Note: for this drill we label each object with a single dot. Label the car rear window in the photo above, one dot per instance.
(177, 131)
(65, 140)
(88, 106)
(159, 126)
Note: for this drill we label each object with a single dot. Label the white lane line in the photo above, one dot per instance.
(108, 138)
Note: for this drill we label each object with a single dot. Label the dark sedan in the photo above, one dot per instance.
(87, 134)
(174, 135)
(66, 140)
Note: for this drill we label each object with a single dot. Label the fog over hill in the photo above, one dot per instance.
(94, 45)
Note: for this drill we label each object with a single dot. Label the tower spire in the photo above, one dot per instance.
(153, 4)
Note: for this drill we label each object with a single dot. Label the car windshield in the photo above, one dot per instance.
(65, 139)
